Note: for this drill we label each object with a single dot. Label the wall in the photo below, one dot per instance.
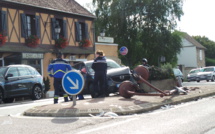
(110, 50)
(187, 56)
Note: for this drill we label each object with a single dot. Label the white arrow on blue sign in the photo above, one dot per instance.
(73, 82)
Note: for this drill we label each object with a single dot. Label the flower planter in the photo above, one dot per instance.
(32, 41)
(84, 43)
(61, 43)
(3, 39)
(166, 84)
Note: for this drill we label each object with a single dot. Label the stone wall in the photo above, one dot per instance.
(166, 84)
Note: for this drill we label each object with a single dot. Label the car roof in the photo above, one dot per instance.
(89, 61)
(209, 67)
(18, 65)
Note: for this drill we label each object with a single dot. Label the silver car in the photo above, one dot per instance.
(207, 74)
(192, 75)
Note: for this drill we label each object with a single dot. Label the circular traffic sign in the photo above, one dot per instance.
(73, 82)
(123, 50)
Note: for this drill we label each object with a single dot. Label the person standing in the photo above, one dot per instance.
(100, 68)
(57, 69)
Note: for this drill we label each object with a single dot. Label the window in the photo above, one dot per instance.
(30, 25)
(200, 54)
(3, 22)
(24, 71)
(63, 25)
(13, 71)
(81, 31)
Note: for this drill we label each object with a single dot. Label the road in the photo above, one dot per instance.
(188, 118)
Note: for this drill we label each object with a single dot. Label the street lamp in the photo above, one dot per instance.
(57, 30)
(102, 34)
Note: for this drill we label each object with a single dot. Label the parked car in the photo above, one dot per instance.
(192, 75)
(116, 74)
(178, 73)
(207, 74)
(20, 81)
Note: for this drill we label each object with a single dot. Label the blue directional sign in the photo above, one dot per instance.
(73, 82)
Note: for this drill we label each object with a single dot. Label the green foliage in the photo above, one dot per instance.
(210, 62)
(210, 49)
(210, 45)
(47, 84)
(164, 72)
(143, 26)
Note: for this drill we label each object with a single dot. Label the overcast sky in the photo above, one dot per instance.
(198, 18)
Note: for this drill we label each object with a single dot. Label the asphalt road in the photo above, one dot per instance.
(188, 118)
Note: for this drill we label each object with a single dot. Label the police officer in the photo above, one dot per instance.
(57, 69)
(100, 68)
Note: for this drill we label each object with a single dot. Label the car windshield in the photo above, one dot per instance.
(208, 69)
(177, 72)
(110, 65)
(194, 71)
(2, 71)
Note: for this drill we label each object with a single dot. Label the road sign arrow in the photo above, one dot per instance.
(75, 85)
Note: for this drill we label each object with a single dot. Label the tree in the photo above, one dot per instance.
(210, 46)
(143, 26)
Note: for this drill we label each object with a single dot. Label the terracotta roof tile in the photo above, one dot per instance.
(70, 6)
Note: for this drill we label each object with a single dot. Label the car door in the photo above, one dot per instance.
(12, 82)
(25, 80)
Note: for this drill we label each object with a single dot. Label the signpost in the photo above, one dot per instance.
(73, 83)
(123, 50)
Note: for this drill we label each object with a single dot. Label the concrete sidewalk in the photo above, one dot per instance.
(116, 104)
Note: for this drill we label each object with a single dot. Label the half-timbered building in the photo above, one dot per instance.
(32, 31)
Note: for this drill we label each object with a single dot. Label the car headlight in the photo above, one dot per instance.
(209, 74)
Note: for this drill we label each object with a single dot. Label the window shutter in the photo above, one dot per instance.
(23, 26)
(53, 21)
(77, 33)
(65, 28)
(3, 23)
(37, 26)
(86, 31)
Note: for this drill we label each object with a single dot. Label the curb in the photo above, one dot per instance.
(135, 109)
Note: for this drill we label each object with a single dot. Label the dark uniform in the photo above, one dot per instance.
(57, 69)
(100, 68)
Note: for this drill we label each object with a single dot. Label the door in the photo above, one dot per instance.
(26, 80)
(12, 82)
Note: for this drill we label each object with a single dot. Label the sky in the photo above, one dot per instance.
(198, 18)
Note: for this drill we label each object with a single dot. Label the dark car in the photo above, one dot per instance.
(116, 74)
(19, 81)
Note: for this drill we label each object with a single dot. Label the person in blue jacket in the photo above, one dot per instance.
(57, 68)
(100, 68)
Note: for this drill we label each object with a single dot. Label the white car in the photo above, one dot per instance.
(207, 74)
(192, 75)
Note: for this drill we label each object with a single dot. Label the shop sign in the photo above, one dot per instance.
(105, 39)
(32, 55)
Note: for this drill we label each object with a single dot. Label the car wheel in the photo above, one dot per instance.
(37, 93)
(92, 92)
(207, 80)
(8, 100)
(1, 96)
(212, 78)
